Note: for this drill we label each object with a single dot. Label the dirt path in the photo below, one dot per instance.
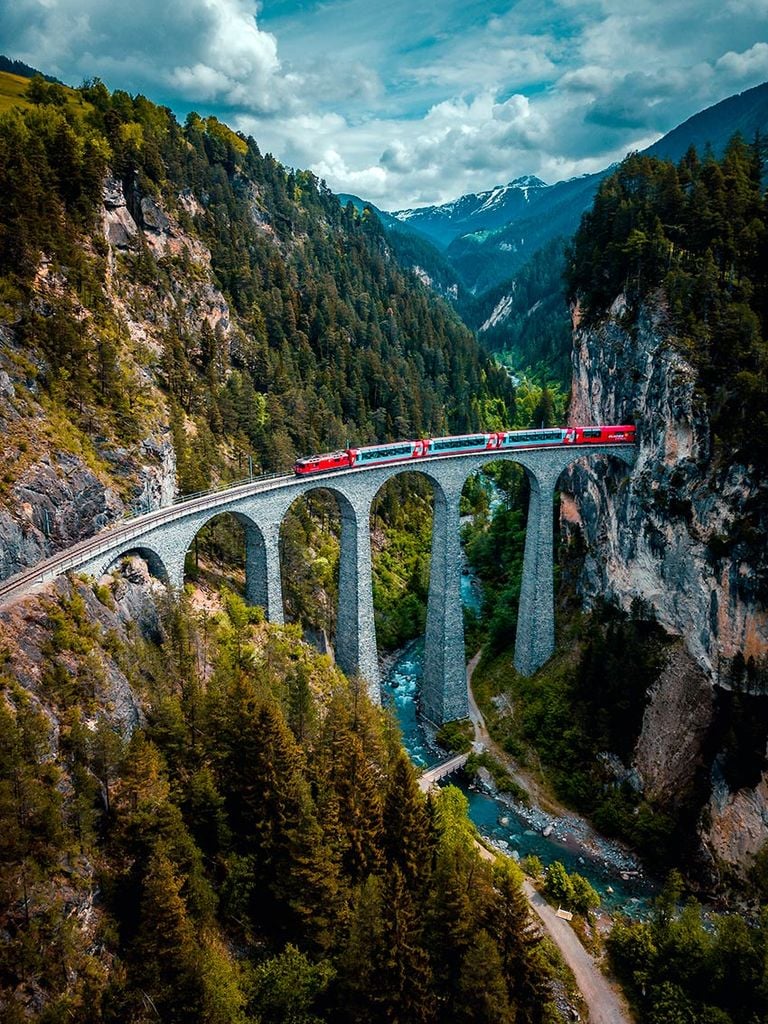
(485, 741)
(605, 1005)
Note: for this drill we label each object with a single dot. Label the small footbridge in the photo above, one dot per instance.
(433, 775)
(164, 536)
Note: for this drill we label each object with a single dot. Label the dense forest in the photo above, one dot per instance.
(256, 850)
(687, 967)
(329, 341)
(695, 235)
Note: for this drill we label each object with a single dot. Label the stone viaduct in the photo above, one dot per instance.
(164, 536)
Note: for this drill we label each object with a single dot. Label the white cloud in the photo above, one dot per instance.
(747, 65)
(410, 103)
(199, 50)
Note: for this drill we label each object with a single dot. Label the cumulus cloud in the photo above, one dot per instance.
(408, 104)
(745, 66)
(195, 50)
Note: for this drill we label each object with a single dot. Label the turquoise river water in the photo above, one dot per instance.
(515, 830)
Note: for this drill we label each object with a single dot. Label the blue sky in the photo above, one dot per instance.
(406, 102)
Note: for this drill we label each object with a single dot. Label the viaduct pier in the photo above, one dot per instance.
(164, 536)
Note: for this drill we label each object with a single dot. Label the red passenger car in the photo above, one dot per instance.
(601, 435)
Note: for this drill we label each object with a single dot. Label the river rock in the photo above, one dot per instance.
(485, 781)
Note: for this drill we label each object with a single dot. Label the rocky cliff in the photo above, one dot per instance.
(684, 534)
(62, 483)
(75, 643)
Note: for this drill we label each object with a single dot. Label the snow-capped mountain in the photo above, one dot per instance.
(488, 237)
(481, 211)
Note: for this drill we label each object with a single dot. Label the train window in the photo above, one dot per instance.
(533, 436)
(446, 443)
(593, 433)
(381, 453)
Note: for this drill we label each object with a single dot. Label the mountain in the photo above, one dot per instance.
(485, 258)
(488, 236)
(473, 212)
(174, 304)
(414, 252)
(747, 113)
(389, 220)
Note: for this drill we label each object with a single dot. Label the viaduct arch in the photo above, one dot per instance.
(165, 535)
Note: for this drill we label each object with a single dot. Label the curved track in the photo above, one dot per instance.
(117, 535)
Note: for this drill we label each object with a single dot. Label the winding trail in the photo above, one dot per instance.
(605, 1004)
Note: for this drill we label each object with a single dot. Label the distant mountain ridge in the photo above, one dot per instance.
(474, 212)
(18, 67)
(488, 236)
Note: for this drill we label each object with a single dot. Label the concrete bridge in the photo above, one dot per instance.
(164, 536)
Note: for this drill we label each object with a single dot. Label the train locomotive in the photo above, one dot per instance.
(463, 444)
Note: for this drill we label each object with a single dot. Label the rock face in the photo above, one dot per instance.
(124, 611)
(58, 488)
(58, 500)
(120, 228)
(682, 534)
(675, 727)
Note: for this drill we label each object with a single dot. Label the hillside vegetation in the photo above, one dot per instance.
(323, 339)
(255, 847)
(695, 233)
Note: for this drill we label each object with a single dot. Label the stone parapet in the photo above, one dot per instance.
(164, 537)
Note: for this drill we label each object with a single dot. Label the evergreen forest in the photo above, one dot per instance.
(329, 341)
(256, 850)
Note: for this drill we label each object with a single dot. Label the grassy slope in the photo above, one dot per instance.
(13, 87)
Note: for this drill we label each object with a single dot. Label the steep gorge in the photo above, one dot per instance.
(683, 535)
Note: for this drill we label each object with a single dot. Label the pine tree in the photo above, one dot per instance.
(359, 989)
(509, 923)
(359, 805)
(482, 991)
(164, 955)
(273, 822)
(407, 995)
(406, 825)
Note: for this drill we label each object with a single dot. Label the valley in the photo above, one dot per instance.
(208, 811)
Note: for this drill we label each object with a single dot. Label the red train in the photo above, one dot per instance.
(505, 440)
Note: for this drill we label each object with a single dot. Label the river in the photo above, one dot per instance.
(514, 829)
